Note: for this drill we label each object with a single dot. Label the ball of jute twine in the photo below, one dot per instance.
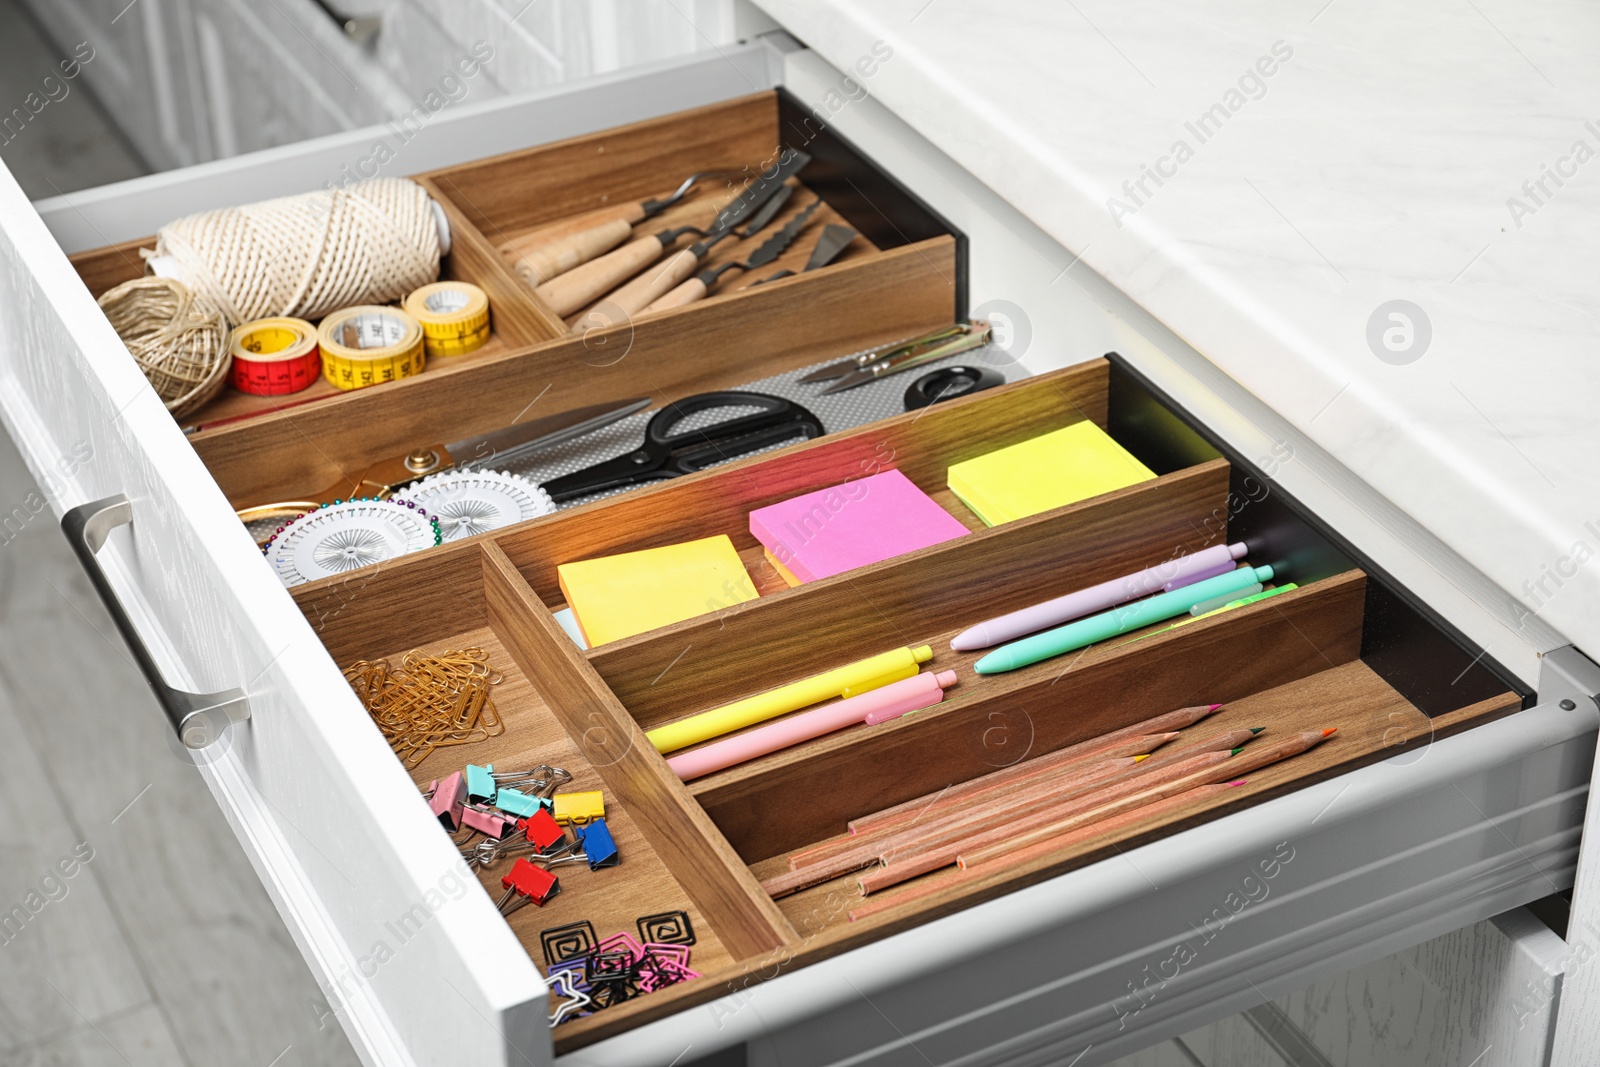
(179, 339)
(304, 256)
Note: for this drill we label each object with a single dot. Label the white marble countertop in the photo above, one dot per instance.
(1353, 153)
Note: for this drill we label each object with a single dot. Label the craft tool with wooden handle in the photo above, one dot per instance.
(540, 257)
(835, 239)
(597, 277)
(699, 286)
(578, 287)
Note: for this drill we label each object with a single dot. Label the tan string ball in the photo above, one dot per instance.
(178, 339)
(304, 256)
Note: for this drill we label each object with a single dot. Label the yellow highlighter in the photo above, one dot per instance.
(850, 680)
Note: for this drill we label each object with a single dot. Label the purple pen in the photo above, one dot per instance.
(1198, 576)
(1172, 574)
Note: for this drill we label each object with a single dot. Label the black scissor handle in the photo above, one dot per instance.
(665, 454)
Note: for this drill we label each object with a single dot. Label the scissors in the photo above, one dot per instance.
(666, 454)
(384, 477)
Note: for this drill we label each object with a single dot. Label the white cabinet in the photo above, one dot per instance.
(194, 80)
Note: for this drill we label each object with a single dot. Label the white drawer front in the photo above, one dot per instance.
(334, 826)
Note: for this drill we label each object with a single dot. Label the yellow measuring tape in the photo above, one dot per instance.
(454, 317)
(368, 345)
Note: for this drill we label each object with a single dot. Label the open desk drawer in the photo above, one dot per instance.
(1426, 814)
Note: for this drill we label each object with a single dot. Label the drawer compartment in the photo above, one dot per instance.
(1305, 660)
(548, 189)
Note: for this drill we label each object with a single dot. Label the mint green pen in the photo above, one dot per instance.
(1118, 620)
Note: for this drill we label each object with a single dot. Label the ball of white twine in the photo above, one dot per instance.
(307, 255)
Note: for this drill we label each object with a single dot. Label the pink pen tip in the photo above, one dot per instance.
(1237, 781)
(945, 679)
(1213, 707)
(1237, 550)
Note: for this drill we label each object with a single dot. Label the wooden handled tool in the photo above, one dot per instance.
(697, 287)
(550, 258)
(550, 254)
(570, 291)
(587, 283)
(655, 283)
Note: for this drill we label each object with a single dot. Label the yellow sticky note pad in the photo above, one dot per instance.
(783, 572)
(613, 597)
(1050, 471)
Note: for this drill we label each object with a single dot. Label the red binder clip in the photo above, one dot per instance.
(525, 882)
(543, 833)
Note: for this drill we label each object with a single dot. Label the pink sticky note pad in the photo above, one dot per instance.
(851, 525)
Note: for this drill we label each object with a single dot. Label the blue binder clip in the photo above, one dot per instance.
(598, 846)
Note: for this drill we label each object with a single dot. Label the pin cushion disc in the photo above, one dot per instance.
(345, 536)
(473, 502)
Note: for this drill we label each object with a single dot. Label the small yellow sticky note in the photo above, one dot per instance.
(613, 597)
(1050, 471)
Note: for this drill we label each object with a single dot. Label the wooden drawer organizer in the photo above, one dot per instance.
(1347, 649)
(1296, 662)
(492, 200)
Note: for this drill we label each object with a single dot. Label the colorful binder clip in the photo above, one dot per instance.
(576, 809)
(519, 803)
(543, 833)
(481, 786)
(596, 844)
(525, 882)
(446, 800)
(490, 824)
(541, 780)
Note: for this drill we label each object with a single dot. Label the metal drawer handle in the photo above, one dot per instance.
(199, 718)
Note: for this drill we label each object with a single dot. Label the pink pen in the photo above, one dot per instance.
(879, 705)
(1170, 575)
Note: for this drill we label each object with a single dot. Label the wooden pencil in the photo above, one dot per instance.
(1164, 723)
(885, 902)
(1085, 752)
(1043, 826)
(1098, 828)
(906, 858)
(852, 854)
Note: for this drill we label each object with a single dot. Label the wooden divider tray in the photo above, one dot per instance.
(1303, 660)
(490, 201)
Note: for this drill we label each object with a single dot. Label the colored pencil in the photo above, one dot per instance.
(870, 848)
(1158, 724)
(1006, 839)
(904, 859)
(979, 790)
(1106, 827)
